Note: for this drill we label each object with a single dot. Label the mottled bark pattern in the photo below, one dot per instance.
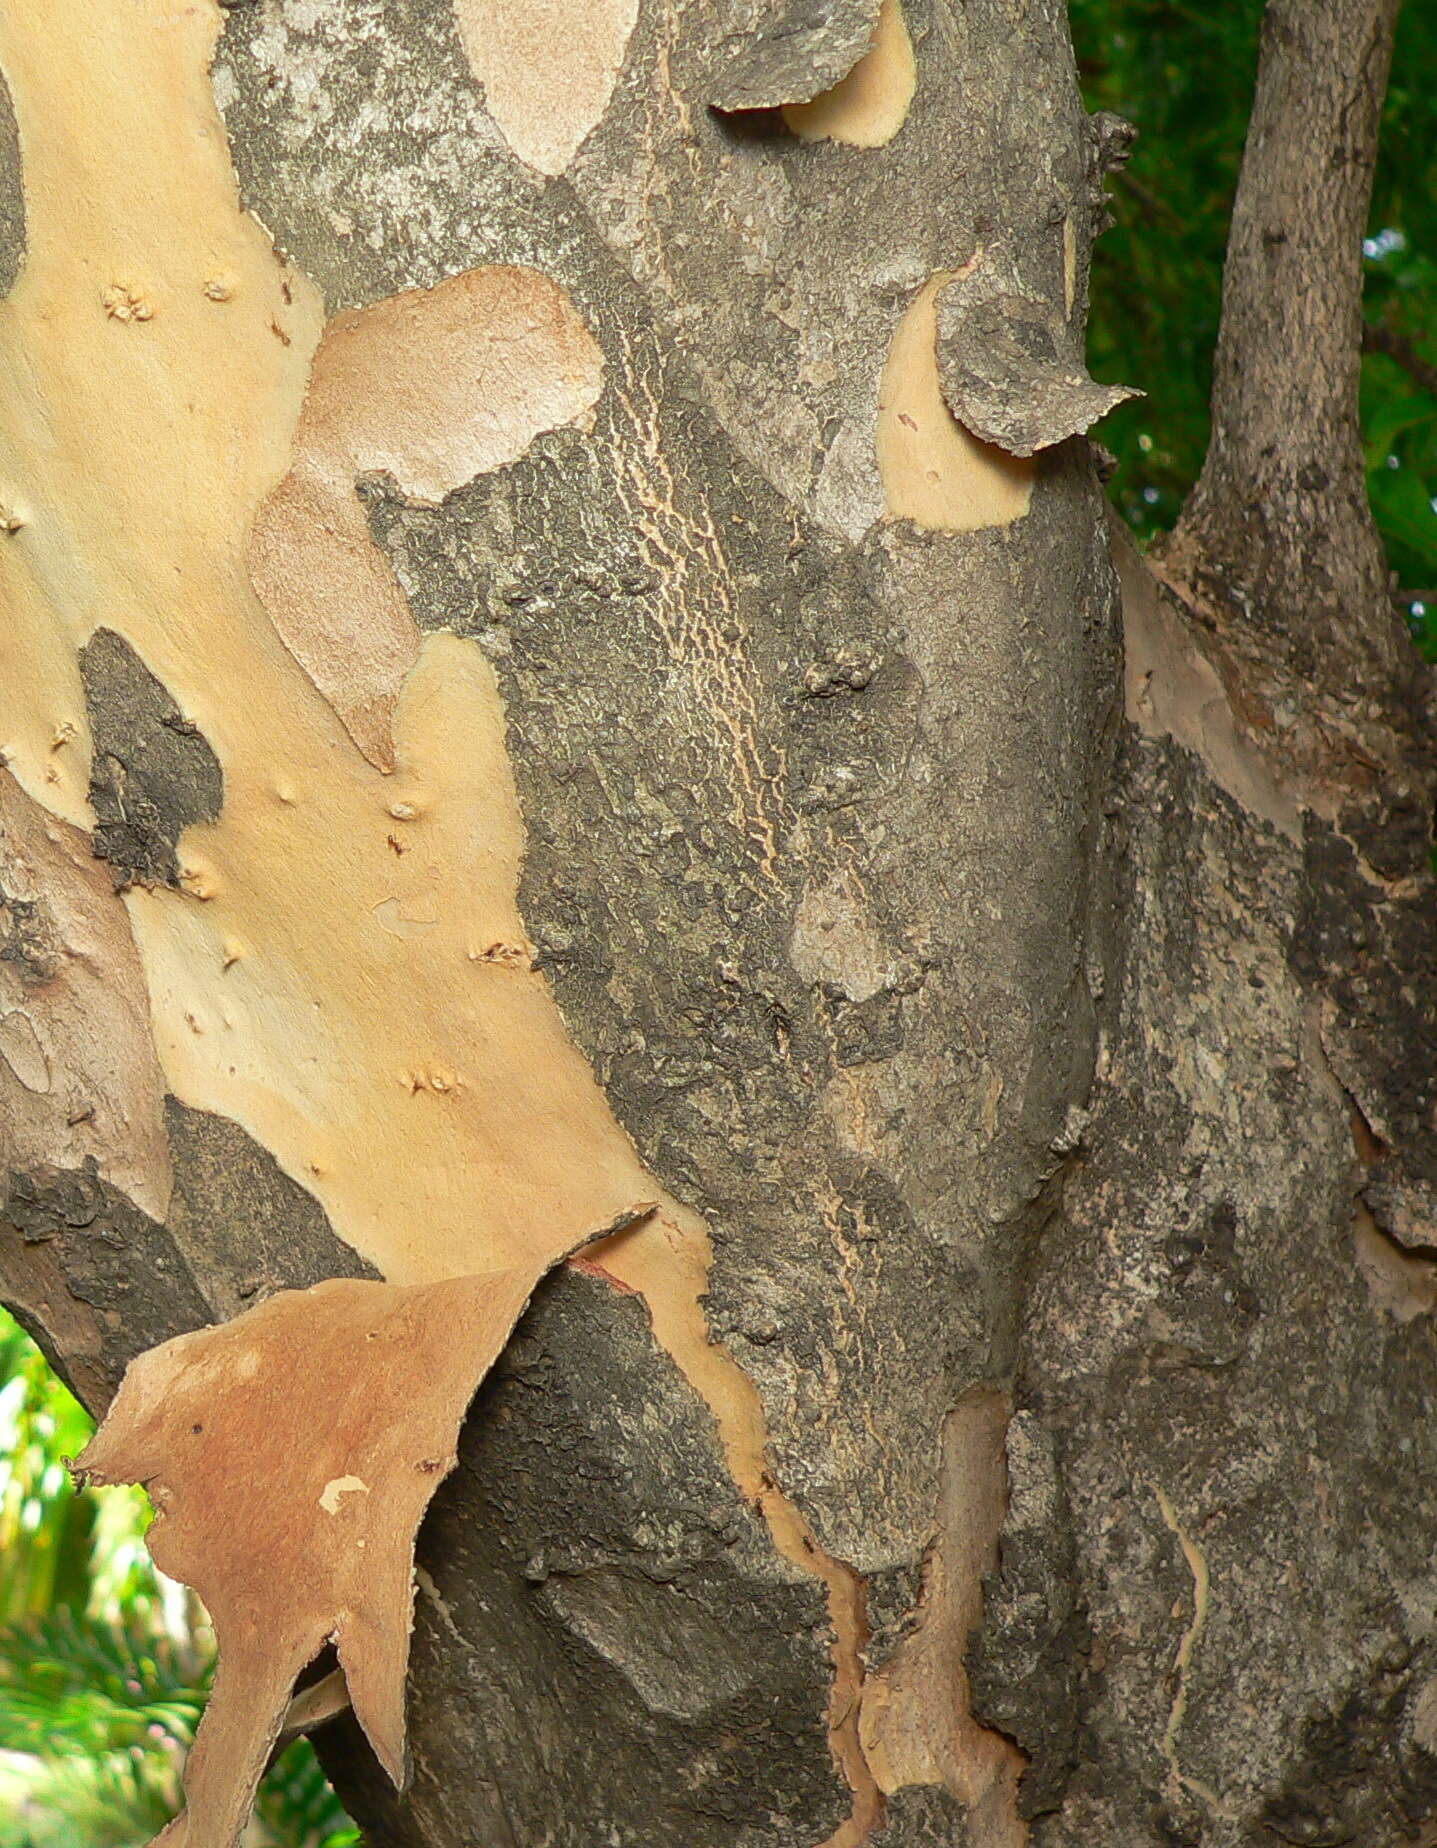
(1004, 1049)
(808, 797)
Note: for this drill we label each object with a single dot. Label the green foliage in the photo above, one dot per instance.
(103, 1664)
(46, 1528)
(1184, 75)
(297, 1808)
(93, 1685)
(94, 1716)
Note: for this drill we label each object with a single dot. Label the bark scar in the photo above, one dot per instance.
(1197, 1565)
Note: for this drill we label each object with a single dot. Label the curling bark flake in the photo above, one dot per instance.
(290, 1455)
(935, 472)
(430, 389)
(75, 1040)
(866, 108)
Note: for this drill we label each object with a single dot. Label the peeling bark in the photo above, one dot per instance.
(867, 107)
(79, 1081)
(426, 389)
(1012, 372)
(760, 54)
(344, 1401)
(585, 631)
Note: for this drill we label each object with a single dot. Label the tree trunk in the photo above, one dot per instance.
(586, 685)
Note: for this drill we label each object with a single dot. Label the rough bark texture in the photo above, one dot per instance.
(1019, 1054)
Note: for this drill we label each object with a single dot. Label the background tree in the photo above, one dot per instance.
(1005, 1417)
(1184, 77)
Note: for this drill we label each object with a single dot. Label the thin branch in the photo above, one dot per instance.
(1151, 204)
(1278, 526)
(1382, 340)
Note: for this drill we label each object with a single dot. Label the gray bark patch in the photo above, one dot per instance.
(359, 135)
(1233, 1416)
(925, 1816)
(247, 1227)
(152, 774)
(1024, 1661)
(111, 1256)
(758, 54)
(12, 195)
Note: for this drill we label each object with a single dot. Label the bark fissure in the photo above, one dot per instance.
(672, 1289)
(1182, 1661)
(918, 1720)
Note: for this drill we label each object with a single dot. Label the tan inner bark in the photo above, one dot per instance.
(934, 472)
(548, 71)
(866, 108)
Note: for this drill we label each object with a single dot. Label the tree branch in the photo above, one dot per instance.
(1278, 529)
(1401, 350)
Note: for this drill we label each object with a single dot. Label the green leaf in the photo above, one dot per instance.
(1402, 503)
(1389, 418)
